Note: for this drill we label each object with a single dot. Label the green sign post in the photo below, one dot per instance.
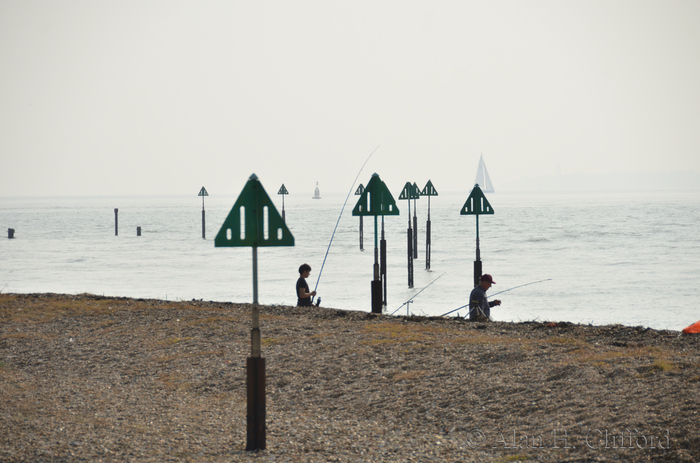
(428, 191)
(253, 222)
(283, 191)
(359, 191)
(410, 191)
(203, 193)
(416, 196)
(376, 200)
(477, 204)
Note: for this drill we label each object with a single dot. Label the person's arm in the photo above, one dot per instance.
(494, 302)
(303, 294)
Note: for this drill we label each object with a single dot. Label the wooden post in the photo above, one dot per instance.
(116, 222)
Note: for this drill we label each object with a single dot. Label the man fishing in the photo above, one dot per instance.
(303, 294)
(479, 306)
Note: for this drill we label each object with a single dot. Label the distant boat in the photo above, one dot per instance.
(482, 177)
(317, 193)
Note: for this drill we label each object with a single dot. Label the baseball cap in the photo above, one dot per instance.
(487, 277)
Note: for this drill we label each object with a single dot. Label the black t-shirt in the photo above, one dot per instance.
(301, 283)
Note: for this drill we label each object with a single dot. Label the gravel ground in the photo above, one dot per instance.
(89, 378)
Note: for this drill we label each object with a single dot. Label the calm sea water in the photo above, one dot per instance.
(627, 258)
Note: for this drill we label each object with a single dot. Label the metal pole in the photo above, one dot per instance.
(410, 247)
(415, 231)
(382, 266)
(361, 235)
(116, 222)
(427, 239)
(477, 262)
(376, 282)
(256, 415)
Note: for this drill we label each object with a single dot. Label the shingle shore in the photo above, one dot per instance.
(89, 378)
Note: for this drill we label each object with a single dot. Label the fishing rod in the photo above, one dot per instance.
(339, 216)
(501, 292)
(408, 301)
(516, 287)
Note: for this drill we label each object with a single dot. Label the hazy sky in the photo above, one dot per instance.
(163, 97)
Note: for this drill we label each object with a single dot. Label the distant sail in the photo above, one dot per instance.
(482, 177)
(317, 193)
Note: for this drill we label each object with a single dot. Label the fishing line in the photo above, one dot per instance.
(392, 313)
(339, 216)
(501, 292)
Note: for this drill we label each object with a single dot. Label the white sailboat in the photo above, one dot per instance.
(482, 177)
(317, 193)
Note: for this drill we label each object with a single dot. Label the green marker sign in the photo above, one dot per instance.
(477, 204)
(376, 200)
(254, 221)
(429, 190)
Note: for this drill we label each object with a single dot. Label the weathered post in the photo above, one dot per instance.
(408, 193)
(428, 191)
(116, 222)
(359, 191)
(283, 191)
(138, 231)
(203, 193)
(10, 233)
(477, 204)
(415, 221)
(254, 222)
(376, 200)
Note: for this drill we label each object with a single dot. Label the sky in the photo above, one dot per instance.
(154, 97)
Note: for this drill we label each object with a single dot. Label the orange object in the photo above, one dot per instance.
(692, 329)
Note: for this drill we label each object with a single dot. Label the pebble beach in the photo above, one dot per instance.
(92, 378)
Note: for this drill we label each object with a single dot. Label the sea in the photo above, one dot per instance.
(629, 258)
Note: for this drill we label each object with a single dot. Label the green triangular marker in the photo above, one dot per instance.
(429, 190)
(283, 190)
(253, 220)
(476, 203)
(376, 199)
(410, 191)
